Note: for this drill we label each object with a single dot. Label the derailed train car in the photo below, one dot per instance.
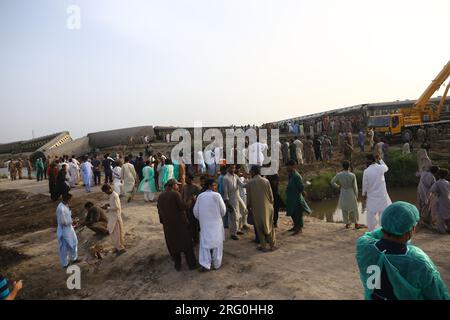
(125, 136)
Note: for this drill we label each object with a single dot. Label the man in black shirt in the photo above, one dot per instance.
(106, 163)
(277, 201)
(139, 165)
(96, 169)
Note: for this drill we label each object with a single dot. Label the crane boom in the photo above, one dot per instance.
(444, 96)
(434, 85)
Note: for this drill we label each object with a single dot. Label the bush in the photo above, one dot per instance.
(402, 173)
(321, 188)
(402, 169)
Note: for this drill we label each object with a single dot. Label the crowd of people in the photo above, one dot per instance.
(236, 197)
(228, 196)
(16, 166)
(327, 123)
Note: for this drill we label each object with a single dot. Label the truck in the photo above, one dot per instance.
(405, 122)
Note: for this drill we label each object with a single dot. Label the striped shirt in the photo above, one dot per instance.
(4, 288)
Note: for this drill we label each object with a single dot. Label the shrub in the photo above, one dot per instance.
(402, 169)
(320, 187)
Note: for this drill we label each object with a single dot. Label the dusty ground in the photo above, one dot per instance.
(316, 265)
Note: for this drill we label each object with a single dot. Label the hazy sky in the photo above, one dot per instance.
(218, 61)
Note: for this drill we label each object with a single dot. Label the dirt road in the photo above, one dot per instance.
(319, 264)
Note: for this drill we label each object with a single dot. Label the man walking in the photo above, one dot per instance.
(129, 178)
(86, 173)
(295, 203)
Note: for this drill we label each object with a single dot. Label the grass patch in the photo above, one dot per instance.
(402, 173)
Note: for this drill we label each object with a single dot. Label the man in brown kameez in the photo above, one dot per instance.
(172, 215)
(189, 193)
(260, 204)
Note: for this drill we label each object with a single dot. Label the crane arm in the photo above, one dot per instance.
(444, 96)
(434, 85)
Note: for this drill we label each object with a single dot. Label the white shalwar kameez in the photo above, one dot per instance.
(201, 162)
(117, 180)
(65, 233)
(255, 153)
(299, 150)
(129, 178)
(209, 209)
(74, 173)
(374, 186)
(87, 174)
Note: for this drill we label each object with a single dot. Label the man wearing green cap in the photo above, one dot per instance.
(393, 269)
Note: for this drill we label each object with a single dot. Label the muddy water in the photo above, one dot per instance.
(327, 210)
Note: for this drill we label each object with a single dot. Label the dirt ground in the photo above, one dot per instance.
(319, 264)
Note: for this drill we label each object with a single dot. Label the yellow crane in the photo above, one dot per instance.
(422, 113)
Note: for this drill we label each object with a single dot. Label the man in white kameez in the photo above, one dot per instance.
(210, 162)
(279, 147)
(374, 190)
(129, 178)
(209, 209)
(87, 174)
(255, 153)
(427, 179)
(65, 233)
(218, 155)
(299, 150)
(371, 135)
(115, 224)
(201, 162)
(117, 178)
(74, 173)
(237, 209)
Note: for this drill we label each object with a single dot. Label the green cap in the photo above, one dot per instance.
(399, 218)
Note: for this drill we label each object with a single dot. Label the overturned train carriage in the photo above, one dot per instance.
(126, 136)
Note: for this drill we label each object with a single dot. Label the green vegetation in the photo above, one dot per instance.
(320, 187)
(402, 173)
(402, 169)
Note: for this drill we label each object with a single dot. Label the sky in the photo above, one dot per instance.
(221, 62)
